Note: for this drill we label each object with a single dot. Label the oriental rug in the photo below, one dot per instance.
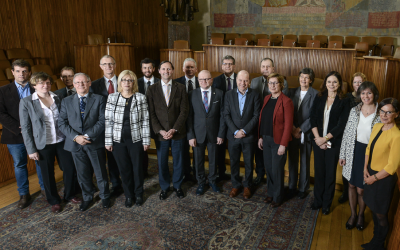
(211, 221)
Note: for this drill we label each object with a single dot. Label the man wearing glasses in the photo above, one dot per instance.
(104, 86)
(67, 76)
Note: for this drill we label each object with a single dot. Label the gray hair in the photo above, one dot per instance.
(107, 56)
(190, 60)
(228, 57)
(267, 59)
(81, 74)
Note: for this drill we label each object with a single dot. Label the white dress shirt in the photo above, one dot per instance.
(193, 79)
(364, 128)
(208, 95)
(232, 77)
(302, 95)
(114, 81)
(169, 85)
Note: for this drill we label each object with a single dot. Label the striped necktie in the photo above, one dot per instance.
(167, 93)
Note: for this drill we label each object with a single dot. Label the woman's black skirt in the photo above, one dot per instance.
(357, 171)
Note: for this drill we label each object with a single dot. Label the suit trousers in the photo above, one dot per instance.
(275, 168)
(325, 164)
(236, 147)
(113, 171)
(259, 159)
(199, 156)
(221, 154)
(145, 163)
(84, 160)
(162, 157)
(187, 169)
(129, 157)
(294, 148)
(47, 156)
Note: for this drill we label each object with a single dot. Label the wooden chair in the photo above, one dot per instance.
(371, 40)
(219, 35)
(289, 43)
(336, 38)
(303, 40)
(276, 39)
(9, 74)
(4, 64)
(2, 55)
(181, 44)
(260, 36)
(249, 37)
(217, 40)
(362, 49)
(59, 83)
(293, 82)
(290, 37)
(386, 46)
(350, 41)
(313, 44)
(240, 41)
(4, 82)
(397, 53)
(43, 68)
(95, 39)
(231, 36)
(335, 44)
(14, 54)
(322, 39)
(318, 82)
(263, 42)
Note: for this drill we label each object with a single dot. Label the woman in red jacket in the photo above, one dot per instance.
(274, 133)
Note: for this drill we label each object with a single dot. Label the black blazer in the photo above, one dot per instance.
(202, 125)
(183, 81)
(141, 83)
(99, 87)
(220, 82)
(248, 121)
(61, 93)
(9, 114)
(337, 118)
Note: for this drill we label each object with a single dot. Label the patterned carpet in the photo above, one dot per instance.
(211, 221)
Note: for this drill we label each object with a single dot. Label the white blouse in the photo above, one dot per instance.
(326, 118)
(364, 128)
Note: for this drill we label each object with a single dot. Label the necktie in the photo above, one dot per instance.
(205, 100)
(190, 86)
(148, 84)
(266, 89)
(229, 83)
(110, 87)
(69, 92)
(166, 93)
(82, 106)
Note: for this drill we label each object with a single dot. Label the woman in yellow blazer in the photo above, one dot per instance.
(382, 158)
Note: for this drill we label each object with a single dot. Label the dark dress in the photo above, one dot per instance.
(357, 171)
(352, 100)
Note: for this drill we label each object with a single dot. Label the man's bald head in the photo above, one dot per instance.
(205, 79)
(243, 81)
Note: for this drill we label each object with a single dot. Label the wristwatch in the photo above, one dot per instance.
(327, 138)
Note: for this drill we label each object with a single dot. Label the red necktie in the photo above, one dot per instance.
(110, 87)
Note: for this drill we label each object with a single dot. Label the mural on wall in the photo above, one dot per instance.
(323, 17)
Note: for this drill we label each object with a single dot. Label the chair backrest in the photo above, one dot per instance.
(303, 40)
(318, 82)
(276, 39)
(362, 48)
(313, 44)
(386, 50)
(13, 54)
(371, 40)
(181, 44)
(4, 82)
(9, 74)
(240, 41)
(4, 64)
(397, 53)
(95, 39)
(254, 75)
(2, 76)
(336, 38)
(385, 40)
(59, 83)
(42, 67)
(217, 40)
(292, 37)
(54, 86)
(289, 43)
(30, 61)
(350, 41)
(248, 36)
(322, 38)
(260, 36)
(293, 81)
(231, 36)
(263, 42)
(219, 35)
(2, 55)
(215, 74)
(335, 44)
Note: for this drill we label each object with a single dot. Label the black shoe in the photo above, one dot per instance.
(106, 203)
(139, 200)
(350, 226)
(292, 192)
(85, 205)
(314, 207)
(326, 210)
(163, 194)
(257, 180)
(360, 226)
(302, 195)
(179, 193)
(200, 189)
(116, 191)
(128, 202)
(343, 198)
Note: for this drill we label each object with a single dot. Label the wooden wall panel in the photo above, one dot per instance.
(51, 28)
(199, 56)
(176, 57)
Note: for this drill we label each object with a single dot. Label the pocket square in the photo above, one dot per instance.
(215, 101)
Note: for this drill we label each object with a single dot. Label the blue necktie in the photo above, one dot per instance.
(82, 106)
(205, 101)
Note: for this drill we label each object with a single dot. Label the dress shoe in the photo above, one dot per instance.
(200, 189)
(292, 192)
(360, 226)
(350, 226)
(215, 188)
(85, 205)
(343, 198)
(24, 201)
(43, 193)
(179, 193)
(163, 194)
(257, 180)
(326, 210)
(268, 199)
(74, 200)
(275, 204)
(116, 191)
(139, 200)
(302, 195)
(315, 207)
(246, 193)
(128, 202)
(234, 192)
(106, 203)
(189, 177)
(56, 208)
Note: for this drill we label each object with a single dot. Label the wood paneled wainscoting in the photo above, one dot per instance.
(176, 57)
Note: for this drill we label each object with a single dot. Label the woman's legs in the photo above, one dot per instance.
(353, 204)
(361, 206)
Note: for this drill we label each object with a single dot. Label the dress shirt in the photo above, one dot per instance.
(208, 95)
(73, 91)
(327, 113)
(232, 77)
(145, 82)
(193, 79)
(53, 134)
(85, 100)
(302, 95)
(169, 84)
(23, 91)
(364, 128)
(114, 81)
(242, 100)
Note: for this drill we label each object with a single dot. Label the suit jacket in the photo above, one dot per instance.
(220, 82)
(282, 119)
(33, 124)
(61, 93)
(9, 114)
(99, 87)
(173, 116)
(259, 86)
(202, 125)
(301, 117)
(247, 121)
(142, 82)
(337, 118)
(183, 81)
(70, 121)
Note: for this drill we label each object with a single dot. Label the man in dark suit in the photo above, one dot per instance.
(191, 82)
(82, 122)
(206, 128)
(104, 86)
(168, 109)
(225, 82)
(148, 67)
(242, 109)
(67, 76)
(10, 96)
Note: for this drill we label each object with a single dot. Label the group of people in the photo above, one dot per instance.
(112, 120)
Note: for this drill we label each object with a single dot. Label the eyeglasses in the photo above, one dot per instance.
(44, 83)
(81, 82)
(388, 113)
(359, 82)
(204, 80)
(107, 64)
(65, 77)
(128, 80)
(273, 83)
(228, 64)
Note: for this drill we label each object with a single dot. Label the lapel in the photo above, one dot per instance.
(103, 89)
(262, 84)
(75, 105)
(57, 102)
(141, 84)
(14, 93)
(38, 109)
(198, 95)
(234, 85)
(236, 102)
(296, 99)
(161, 93)
(306, 97)
(89, 103)
(173, 91)
(246, 103)
(279, 102)
(335, 103)
(212, 98)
